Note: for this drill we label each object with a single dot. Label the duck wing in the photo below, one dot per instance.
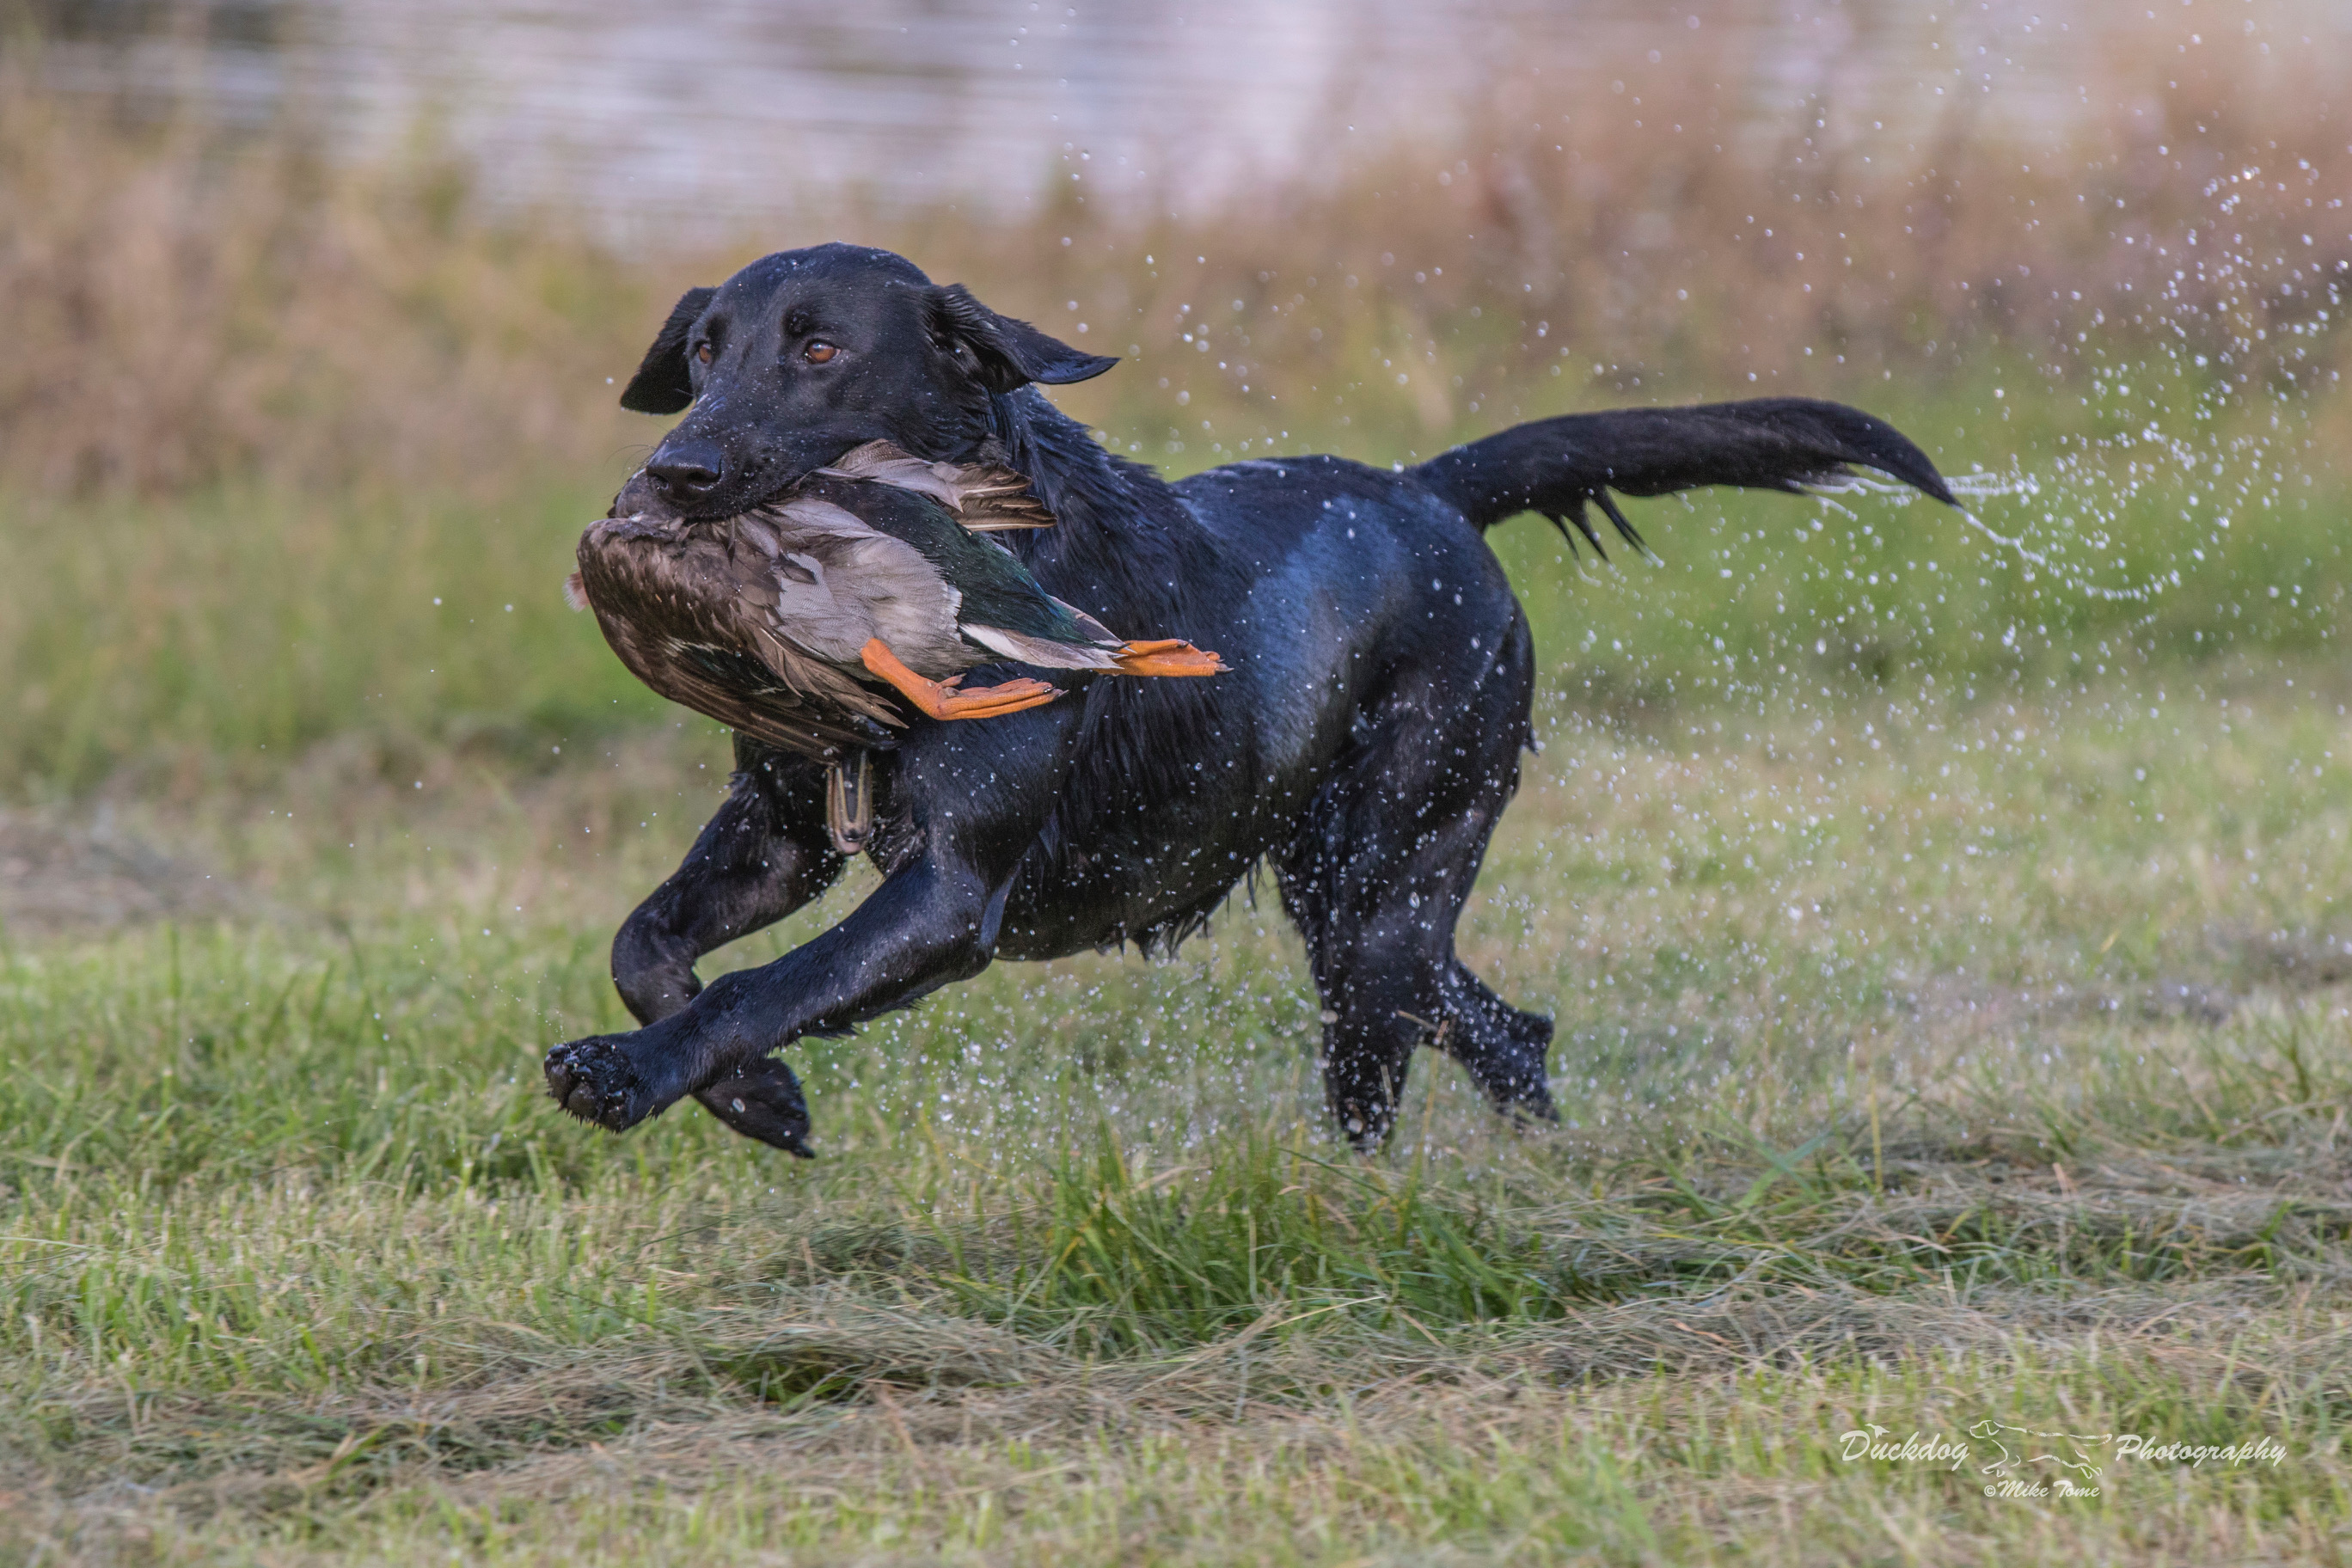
(985, 579)
(986, 497)
(840, 582)
(1001, 608)
(1102, 650)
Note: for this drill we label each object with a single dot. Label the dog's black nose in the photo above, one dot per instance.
(687, 470)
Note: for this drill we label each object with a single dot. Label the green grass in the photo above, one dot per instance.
(208, 641)
(1923, 1063)
(1952, 1004)
(211, 639)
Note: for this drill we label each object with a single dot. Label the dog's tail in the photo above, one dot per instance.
(1556, 466)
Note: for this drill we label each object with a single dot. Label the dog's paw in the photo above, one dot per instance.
(1535, 1113)
(762, 1099)
(591, 1078)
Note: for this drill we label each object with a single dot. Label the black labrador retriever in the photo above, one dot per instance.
(1364, 741)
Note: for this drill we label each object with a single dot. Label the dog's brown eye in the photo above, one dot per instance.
(818, 352)
(703, 354)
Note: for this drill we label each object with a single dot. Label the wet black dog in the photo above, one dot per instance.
(1363, 743)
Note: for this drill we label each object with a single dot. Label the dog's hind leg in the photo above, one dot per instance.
(765, 853)
(1376, 880)
(1503, 1047)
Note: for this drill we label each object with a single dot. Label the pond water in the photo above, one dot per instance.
(660, 120)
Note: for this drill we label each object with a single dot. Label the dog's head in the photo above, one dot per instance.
(806, 353)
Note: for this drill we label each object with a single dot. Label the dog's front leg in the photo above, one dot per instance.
(763, 856)
(929, 924)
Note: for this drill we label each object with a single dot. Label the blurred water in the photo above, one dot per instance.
(660, 120)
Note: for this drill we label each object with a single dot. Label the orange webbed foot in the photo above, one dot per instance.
(1171, 655)
(940, 699)
(990, 701)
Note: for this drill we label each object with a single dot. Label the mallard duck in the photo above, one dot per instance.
(795, 621)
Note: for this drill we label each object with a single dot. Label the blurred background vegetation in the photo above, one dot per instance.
(315, 312)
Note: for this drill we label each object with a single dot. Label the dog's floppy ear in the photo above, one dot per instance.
(1009, 353)
(662, 384)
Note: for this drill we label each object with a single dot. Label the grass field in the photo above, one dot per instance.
(1933, 1050)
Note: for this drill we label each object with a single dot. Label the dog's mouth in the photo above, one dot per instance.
(639, 499)
(644, 502)
(638, 516)
(643, 498)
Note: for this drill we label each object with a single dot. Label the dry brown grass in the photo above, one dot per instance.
(186, 305)
(189, 303)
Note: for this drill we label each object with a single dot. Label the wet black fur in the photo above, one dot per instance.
(1362, 744)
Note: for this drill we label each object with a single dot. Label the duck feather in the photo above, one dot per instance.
(986, 495)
